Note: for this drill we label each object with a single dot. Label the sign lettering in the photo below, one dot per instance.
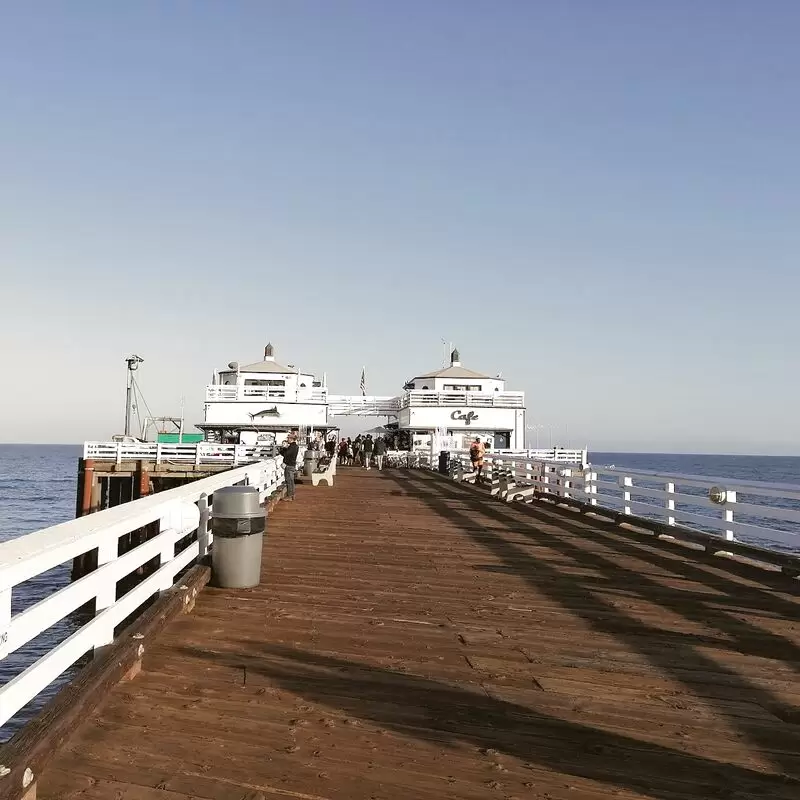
(462, 417)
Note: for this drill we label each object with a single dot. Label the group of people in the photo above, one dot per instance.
(360, 451)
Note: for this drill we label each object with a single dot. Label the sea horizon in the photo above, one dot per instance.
(722, 454)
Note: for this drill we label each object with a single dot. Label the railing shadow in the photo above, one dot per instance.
(467, 509)
(428, 710)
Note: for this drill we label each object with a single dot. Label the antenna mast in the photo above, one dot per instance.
(133, 364)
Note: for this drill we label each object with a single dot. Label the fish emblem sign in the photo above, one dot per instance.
(462, 417)
(267, 412)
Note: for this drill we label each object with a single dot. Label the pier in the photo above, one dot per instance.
(420, 637)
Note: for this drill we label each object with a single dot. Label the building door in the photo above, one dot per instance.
(502, 440)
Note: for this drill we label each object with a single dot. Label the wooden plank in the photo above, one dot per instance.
(39, 741)
(413, 639)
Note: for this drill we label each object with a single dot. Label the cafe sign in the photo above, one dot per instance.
(460, 416)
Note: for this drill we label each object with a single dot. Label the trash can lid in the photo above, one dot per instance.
(236, 501)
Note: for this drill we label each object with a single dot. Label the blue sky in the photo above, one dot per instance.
(600, 200)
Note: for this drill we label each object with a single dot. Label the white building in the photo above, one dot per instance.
(460, 403)
(262, 402)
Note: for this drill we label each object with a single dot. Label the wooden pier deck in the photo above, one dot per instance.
(414, 639)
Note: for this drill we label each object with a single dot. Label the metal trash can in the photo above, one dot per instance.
(238, 522)
(444, 462)
(310, 462)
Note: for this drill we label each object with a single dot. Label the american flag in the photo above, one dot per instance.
(363, 381)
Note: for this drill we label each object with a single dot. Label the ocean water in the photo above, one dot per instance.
(38, 486)
(769, 469)
(37, 489)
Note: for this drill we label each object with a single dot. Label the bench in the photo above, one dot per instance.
(326, 475)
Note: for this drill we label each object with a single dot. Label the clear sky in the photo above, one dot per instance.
(599, 199)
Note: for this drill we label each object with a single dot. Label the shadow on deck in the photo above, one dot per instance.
(414, 639)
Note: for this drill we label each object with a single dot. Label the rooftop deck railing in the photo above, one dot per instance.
(258, 393)
(417, 397)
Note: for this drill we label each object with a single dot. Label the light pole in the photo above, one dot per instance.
(133, 364)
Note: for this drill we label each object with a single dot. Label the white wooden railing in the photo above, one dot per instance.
(754, 512)
(179, 512)
(389, 406)
(561, 455)
(417, 397)
(199, 453)
(362, 406)
(257, 393)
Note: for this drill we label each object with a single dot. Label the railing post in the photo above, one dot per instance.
(158, 453)
(198, 450)
(626, 482)
(730, 497)
(167, 555)
(119, 452)
(203, 528)
(567, 474)
(670, 504)
(589, 484)
(106, 596)
(5, 621)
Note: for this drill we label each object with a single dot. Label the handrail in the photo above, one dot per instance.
(160, 452)
(756, 513)
(180, 513)
(291, 394)
(421, 397)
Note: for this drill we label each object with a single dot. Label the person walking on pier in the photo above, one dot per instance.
(368, 447)
(476, 454)
(289, 451)
(380, 451)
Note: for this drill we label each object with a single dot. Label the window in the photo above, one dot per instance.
(253, 382)
(459, 387)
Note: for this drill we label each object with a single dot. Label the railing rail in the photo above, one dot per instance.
(160, 452)
(182, 516)
(752, 512)
(417, 397)
(290, 394)
(363, 406)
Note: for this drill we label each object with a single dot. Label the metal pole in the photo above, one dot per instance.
(128, 399)
(133, 364)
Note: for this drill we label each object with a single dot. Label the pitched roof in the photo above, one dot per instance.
(266, 366)
(452, 372)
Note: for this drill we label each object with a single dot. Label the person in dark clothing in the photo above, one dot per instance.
(380, 451)
(368, 447)
(289, 451)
